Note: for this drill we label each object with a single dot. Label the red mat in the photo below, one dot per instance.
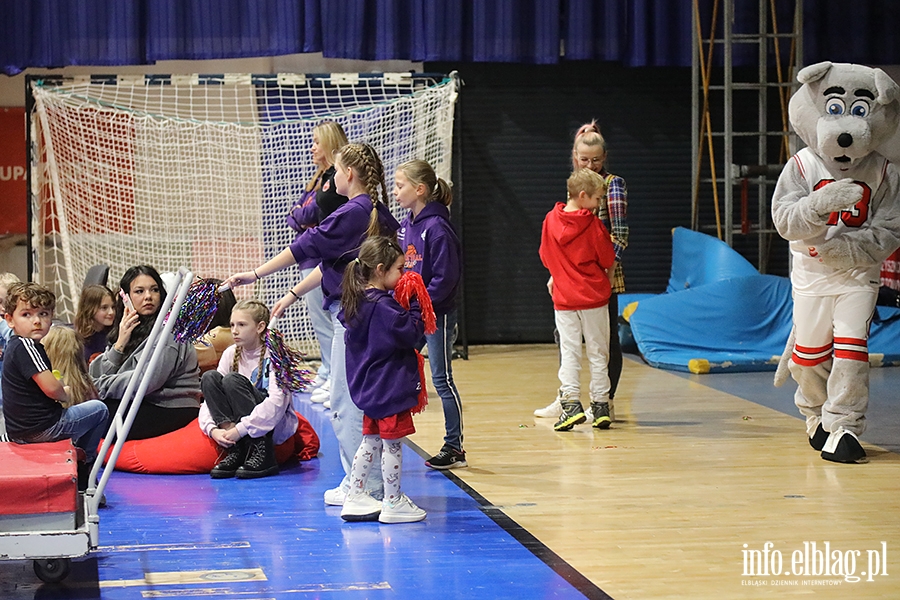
(38, 478)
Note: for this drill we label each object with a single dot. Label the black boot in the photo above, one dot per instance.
(234, 458)
(260, 459)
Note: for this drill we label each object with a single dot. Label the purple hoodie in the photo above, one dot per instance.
(433, 251)
(382, 368)
(312, 208)
(336, 241)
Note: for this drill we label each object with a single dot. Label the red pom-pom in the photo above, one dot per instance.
(412, 286)
(423, 393)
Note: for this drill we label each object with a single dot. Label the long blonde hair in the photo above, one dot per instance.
(331, 139)
(419, 171)
(365, 164)
(66, 353)
(259, 312)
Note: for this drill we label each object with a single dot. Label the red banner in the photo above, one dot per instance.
(13, 158)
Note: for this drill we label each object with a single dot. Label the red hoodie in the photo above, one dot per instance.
(577, 250)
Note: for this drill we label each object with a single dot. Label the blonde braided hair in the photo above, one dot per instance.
(259, 312)
(364, 162)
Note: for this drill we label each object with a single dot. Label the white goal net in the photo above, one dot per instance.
(201, 170)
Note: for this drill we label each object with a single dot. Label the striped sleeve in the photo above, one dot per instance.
(36, 355)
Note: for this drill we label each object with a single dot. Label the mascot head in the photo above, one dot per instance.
(844, 112)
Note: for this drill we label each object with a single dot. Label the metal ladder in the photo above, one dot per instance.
(719, 144)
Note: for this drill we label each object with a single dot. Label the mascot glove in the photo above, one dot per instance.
(835, 197)
(836, 254)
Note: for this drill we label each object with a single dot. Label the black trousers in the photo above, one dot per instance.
(229, 397)
(153, 421)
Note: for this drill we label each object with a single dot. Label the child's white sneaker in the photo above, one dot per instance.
(321, 393)
(360, 507)
(403, 510)
(551, 411)
(335, 497)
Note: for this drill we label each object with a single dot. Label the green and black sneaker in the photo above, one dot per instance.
(600, 415)
(572, 415)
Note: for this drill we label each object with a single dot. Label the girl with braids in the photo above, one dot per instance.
(94, 318)
(589, 152)
(383, 375)
(319, 199)
(245, 411)
(172, 399)
(433, 251)
(359, 175)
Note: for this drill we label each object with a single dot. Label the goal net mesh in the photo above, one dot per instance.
(201, 170)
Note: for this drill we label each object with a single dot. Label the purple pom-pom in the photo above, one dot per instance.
(197, 311)
(287, 363)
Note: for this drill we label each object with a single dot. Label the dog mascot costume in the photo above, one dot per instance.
(837, 202)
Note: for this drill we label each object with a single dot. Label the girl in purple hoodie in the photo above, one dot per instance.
(383, 375)
(433, 251)
(359, 175)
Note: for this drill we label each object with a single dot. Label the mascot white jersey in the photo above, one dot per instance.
(838, 204)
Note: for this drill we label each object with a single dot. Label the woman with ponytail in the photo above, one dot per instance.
(359, 175)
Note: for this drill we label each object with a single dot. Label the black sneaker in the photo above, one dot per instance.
(600, 415)
(448, 458)
(572, 415)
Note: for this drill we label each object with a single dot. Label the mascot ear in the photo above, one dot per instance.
(813, 72)
(888, 90)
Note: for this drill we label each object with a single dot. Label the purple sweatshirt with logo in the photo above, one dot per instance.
(382, 368)
(336, 241)
(433, 251)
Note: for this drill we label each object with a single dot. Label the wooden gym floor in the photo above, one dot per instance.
(697, 475)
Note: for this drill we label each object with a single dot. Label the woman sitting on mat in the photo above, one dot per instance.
(172, 398)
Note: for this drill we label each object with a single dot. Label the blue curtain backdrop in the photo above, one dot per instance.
(54, 33)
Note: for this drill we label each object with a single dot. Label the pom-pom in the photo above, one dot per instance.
(287, 363)
(412, 286)
(423, 393)
(197, 311)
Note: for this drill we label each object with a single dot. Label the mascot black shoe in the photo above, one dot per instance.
(843, 447)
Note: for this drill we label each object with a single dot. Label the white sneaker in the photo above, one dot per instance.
(403, 510)
(551, 411)
(335, 497)
(319, 381)
(327, 404)
(321, 393)
(360, 507)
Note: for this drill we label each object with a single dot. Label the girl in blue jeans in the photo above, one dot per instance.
(432, 250)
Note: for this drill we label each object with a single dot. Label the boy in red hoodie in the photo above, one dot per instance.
(577, 250)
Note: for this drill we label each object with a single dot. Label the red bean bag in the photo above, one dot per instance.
(188, 450)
